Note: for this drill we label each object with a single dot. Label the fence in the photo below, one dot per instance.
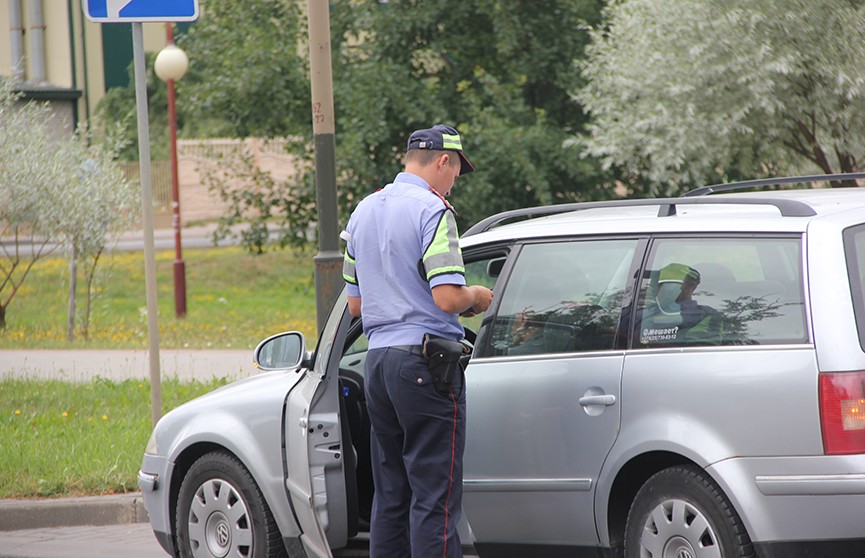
(194, 156)
(215, 148)
(160, 178)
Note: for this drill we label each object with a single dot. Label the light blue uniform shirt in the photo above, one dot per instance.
(393, 236)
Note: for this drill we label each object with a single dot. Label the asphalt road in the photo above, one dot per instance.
(134, 540)
(163, 239)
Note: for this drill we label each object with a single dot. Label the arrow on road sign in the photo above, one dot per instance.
(118, 11)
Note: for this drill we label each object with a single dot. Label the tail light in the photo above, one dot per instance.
(842, 412)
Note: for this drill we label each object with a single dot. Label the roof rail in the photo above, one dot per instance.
(771, 181)
(666, 208)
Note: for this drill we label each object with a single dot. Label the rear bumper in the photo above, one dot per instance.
(792, 504)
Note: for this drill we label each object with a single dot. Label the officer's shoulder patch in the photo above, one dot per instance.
(444, 200)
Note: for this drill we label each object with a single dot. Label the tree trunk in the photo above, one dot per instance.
(90, 274)
(848, 164)
(73, 284)
(2, 318)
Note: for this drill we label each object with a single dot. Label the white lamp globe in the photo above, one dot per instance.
(171, 63)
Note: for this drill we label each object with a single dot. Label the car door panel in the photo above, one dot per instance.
(315, 478)
(542, 397)
(305, 470)
(533, 451)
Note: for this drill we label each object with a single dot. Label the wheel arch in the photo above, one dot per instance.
(628, 481)
(182, 463)
(275, 499)
(251, 436)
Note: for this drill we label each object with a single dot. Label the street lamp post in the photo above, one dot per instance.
(171, 64)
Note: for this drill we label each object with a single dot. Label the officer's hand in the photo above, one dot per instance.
(483, 298)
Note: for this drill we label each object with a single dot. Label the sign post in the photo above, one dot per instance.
(328, 261)
(136, 12)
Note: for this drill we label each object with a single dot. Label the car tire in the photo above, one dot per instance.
(682, 512)
(221, 512)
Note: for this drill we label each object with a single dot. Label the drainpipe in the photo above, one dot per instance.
(37, 41)
(16, 34)
(74, 65)
(85, 70)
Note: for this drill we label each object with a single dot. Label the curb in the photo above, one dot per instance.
(113, 509)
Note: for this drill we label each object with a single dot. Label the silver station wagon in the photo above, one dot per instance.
(664, 378)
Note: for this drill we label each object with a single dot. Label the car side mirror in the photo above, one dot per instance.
(494, 267)
(282, 351)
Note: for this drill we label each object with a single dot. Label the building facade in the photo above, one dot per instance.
(55, 54)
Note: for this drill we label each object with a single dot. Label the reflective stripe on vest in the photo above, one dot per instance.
(348, 269)
(443, 254)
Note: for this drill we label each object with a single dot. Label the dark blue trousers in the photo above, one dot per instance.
(417, 444)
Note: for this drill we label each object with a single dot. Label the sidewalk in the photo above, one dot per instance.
(118, 365)
(199, 236)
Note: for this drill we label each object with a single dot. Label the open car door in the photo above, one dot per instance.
(316, 455)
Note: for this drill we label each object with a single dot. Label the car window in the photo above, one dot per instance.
(721, 291)
(481, 272)
(854, 246)
(563, 297)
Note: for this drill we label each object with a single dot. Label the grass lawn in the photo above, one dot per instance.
(234, 299)
(65, 439)
(61, 439)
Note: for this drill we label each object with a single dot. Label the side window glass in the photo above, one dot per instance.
(563, 297)
(721, 292)
(482, 272)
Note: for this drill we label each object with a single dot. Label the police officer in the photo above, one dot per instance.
(405, 276)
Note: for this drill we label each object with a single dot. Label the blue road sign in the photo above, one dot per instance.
(120, 11)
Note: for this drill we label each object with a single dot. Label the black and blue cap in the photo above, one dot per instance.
(443, 138)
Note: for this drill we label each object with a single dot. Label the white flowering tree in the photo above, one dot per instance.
(54, 191)
(29, 192)
(695, 91)
(100, 202)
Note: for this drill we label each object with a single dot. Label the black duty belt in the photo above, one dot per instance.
(413, 349)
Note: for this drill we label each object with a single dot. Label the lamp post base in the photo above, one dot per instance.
(179, 288)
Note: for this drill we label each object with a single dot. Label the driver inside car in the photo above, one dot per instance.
(675, 315)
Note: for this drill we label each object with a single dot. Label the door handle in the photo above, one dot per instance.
(607, 400)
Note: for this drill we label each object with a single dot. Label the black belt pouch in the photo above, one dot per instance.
(444, 360)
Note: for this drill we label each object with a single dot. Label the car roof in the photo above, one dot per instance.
(782, 211)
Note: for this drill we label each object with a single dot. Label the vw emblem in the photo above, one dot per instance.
(222, 536)
(683, 553)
